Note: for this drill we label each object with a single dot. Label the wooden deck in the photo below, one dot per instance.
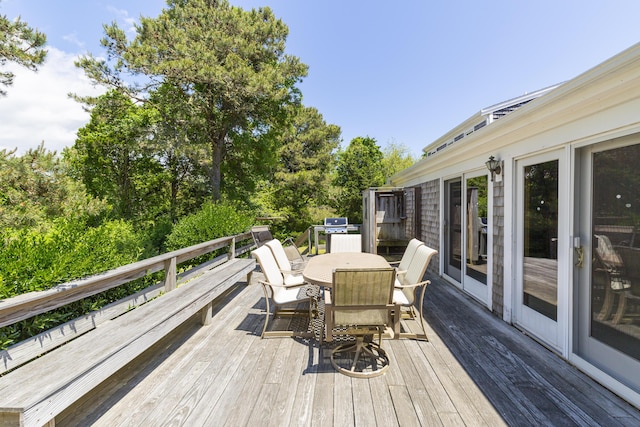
(475, 371)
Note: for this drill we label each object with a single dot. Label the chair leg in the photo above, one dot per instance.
(412, 315)
(280, 311)
(378, 357)
(622, 304)
(266, 319)
(424, 288)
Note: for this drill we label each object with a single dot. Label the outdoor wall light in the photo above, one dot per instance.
(494, 167)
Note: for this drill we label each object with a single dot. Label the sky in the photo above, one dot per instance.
(402, 72)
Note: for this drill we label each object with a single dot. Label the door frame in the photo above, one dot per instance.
(553, 334)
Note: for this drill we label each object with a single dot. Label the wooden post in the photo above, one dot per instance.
(206, 313)
(170, 274)
(232, 248)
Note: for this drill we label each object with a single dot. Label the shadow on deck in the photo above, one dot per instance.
(475, 370)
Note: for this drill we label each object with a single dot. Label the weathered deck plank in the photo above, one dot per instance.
(475, 370)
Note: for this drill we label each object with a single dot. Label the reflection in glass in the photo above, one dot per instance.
(540, 263)
(615, 271)
(477, 228)
(454, 255)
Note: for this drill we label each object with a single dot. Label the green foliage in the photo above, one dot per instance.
(35, 188)
(396, 158)
(482, 186)
(35, 260)
(302, 177)
(20, 44)
(113, 159)
(214, 220)
(359, 167)
(229, 63)
(180, 150)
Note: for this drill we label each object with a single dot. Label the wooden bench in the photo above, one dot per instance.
(33, 394)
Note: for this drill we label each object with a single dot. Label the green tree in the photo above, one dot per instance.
(35, 188)
(305, 159)
(113, 158)
(230, 62)
(19, 44)
(396, 157)
(359, 167)
(180, 149)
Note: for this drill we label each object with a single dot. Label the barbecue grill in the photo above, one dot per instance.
(335, 225)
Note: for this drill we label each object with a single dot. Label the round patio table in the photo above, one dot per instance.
(319, 268)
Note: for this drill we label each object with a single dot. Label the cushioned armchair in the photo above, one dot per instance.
(278, 294)
(408, 285)
(292, 272)
(402, 265)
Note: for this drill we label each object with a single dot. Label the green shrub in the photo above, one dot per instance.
(34, 260)
(214, 220)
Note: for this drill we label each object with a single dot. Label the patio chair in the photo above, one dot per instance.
(629, 294)
(345, 243)
(276, 292)
(609, 265)
(261, 234)
(292, 272)
(402, 265)
(360, 305)
(406, 288)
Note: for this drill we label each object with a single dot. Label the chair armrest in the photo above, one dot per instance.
(265, 283)
(292, 271)
(299, 265)
(393, 263)
(413, 285)
(327, 298)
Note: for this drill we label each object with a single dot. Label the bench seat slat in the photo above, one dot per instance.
(47, 385)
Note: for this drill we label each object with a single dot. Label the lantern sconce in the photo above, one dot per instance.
(495, 167)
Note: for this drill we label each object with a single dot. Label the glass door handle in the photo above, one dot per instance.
(580, 254)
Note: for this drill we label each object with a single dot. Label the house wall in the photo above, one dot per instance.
(596, 107)
(410, 213)
(431, 219)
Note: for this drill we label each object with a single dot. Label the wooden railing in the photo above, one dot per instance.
(15, 309)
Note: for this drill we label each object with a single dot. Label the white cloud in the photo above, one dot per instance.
(37, 107)
(73, 39)
(124, 16)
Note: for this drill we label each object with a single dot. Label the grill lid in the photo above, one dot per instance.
(336, 222)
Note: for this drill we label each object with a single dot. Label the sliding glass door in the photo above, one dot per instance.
(453, 229)
(466, 233)
(607, 282)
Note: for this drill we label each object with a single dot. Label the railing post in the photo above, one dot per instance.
(232, 248)
(170, 272)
